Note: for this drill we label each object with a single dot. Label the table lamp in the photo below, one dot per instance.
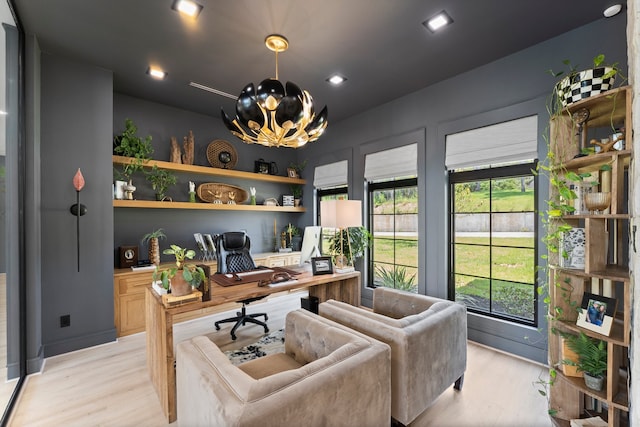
(341, 214)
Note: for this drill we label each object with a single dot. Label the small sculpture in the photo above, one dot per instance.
(192, 192)
(189, 143)
(217, 195)
(252, 190)
(232, 198)
(176, 154)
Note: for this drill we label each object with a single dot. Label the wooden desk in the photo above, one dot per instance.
(159, 321)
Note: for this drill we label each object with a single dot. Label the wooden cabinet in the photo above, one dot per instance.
(129, 287)
(606, 255)
(208, 171)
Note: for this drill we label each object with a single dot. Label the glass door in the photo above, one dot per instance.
(12, 355)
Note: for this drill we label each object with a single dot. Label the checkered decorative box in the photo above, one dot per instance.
(287, 200)
(572, 242)
(584, 84)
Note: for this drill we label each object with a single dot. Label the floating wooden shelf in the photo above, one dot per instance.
(211, 171)
(150, 204)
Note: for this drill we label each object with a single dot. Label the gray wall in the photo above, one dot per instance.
(512, 87)
(76, 125)
(163, 122)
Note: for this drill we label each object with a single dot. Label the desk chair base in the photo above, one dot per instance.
(242, 318)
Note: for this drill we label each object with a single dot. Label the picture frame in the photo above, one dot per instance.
(292, 173)
(321, 265)
(261, 167)
(597, 313)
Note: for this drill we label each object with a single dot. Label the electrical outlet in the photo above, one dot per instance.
(65, 320)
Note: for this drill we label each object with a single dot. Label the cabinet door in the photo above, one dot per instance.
(131, 314)
(276, 261)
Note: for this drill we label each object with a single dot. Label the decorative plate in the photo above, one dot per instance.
(222, 154)
(213, 192)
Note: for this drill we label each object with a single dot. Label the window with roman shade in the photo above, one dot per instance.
(400, 162)
(512, 141)
(331, 175)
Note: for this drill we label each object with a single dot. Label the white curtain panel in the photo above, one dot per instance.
(515, 140)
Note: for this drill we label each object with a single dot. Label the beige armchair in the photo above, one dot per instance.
(327, 376)
(428, 339)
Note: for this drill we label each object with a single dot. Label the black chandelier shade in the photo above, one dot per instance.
(275, 116)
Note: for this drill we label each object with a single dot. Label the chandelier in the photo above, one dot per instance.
(273, 116)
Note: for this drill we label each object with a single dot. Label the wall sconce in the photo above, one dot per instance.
(78, 209)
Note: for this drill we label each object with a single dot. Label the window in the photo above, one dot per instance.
(393, 221)
(493, 241)
(337, 193)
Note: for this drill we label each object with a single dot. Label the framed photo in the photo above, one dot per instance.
(597, 313)
(292, 173)
(321, 265)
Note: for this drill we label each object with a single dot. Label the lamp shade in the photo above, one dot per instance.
(341, 213)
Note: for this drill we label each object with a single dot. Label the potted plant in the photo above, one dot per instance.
(296, 191)
(129, 144)
(153, 241)
(572, 87)
(184, 276)
(359, 238)
(161, 180)
(298, 167)
(592, 358)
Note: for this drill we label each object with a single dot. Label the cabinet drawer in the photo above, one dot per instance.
(134, 284)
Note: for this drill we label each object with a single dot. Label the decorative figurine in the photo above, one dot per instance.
(232, 198)
(192, 192)
(252, 200)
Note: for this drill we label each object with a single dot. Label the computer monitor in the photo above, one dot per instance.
(310, 244)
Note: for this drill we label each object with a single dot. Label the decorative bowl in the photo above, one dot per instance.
(597, 202)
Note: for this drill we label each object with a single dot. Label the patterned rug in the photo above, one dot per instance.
(269, 344)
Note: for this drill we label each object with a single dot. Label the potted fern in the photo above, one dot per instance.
(592, 358)
(129, 144)
(182, 278)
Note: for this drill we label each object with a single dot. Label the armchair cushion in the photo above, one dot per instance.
(328, 376)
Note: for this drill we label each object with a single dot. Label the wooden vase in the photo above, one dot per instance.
(154, 250)
(179, 286)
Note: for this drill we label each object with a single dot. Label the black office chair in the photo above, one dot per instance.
(234, 256)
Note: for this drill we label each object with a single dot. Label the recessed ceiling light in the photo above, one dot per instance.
(438, 21)
(336, 79)
(156, 73)
(612, 10)
(187, 7)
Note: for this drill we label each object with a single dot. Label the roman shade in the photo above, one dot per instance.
(331, 175)
(393, 163)
(515, 140)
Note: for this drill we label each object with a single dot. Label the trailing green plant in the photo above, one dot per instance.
(396, 278)
(161, 180)
(598, 61)
(191, 273)
(129, 144)
(592, 353)
(359, 237)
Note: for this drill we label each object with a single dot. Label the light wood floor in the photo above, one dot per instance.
(108, 385)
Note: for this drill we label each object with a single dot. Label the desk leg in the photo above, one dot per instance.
(345, 290)
(160, 357)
